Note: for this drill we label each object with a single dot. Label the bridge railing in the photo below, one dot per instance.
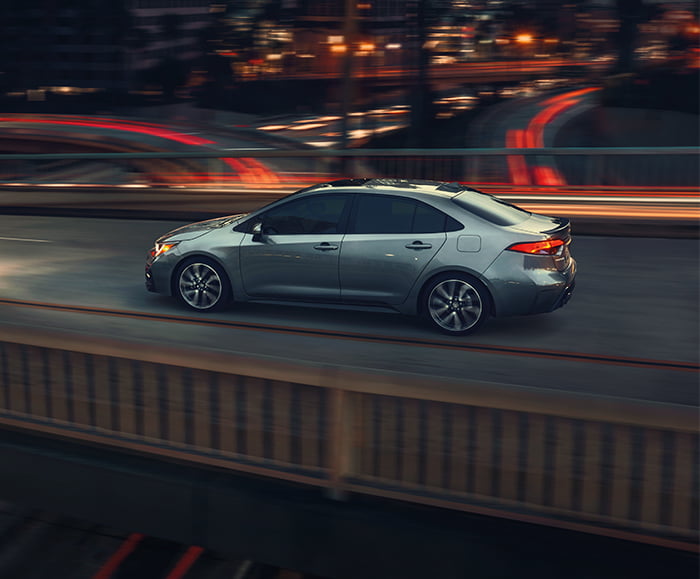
(665, 167)
(616, 467)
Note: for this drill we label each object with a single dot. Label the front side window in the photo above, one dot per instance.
(318, 214)
(387, 214)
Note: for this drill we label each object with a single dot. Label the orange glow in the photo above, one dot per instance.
(524, 38)
(161, 248)
(548, 176)
(252, 170)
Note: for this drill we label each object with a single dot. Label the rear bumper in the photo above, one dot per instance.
(520, 288)
(566, 296)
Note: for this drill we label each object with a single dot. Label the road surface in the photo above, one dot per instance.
(631, 329)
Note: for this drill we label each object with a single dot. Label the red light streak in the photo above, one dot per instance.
(516, 163)
(185, 562)
(125, 549)
(569, 95)
(130, 127)
(548, 176)
(250, 170)
(533, 138)
(535, 129)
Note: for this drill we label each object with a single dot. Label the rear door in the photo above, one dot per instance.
(390, 241)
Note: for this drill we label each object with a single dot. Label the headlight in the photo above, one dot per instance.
(161, 248)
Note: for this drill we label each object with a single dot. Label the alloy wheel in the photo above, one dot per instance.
(455, 305)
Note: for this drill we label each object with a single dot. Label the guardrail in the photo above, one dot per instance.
(576, 166)
(615, 467)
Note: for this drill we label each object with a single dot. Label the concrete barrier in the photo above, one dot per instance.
(615, 467)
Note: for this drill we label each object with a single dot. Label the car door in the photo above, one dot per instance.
(295, 254)
(390, 241)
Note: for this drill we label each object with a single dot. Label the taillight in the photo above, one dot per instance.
(546, 247)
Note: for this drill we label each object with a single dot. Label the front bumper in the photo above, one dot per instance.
(157, 274)
(150, 283)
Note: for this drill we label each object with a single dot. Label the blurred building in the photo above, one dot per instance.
(78, 45)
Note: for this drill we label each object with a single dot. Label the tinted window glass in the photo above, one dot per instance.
(383, 214)
(428, 219)
(312, 215)
(492, 209)
(387, 214)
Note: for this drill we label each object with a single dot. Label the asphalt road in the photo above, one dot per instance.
(631, 329)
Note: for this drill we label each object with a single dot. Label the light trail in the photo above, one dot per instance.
(532, 137)
(618, 212)
(248, 169)
(143, 129)
(22, 239)
(185, 562)
(113, 563)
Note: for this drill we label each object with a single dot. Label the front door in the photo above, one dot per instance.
(296, 256)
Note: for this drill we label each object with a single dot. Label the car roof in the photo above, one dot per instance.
(440, 189)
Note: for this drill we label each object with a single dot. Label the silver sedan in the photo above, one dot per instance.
(442, 251)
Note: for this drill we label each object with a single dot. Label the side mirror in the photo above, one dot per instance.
(256, 230)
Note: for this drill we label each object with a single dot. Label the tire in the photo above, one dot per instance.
(456, 304)
(202, 284)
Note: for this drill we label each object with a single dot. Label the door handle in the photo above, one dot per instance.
(325, 246)
(419, 245)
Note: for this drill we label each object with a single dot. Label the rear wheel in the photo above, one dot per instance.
(456, 303)
(202, 285)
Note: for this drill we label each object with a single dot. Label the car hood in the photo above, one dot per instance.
(195, 230)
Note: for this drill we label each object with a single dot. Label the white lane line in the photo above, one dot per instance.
(24, 239)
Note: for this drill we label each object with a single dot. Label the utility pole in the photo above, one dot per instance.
(420, 87)
(349, 36)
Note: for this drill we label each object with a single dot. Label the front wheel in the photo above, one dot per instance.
(456, 304)
(202, 285)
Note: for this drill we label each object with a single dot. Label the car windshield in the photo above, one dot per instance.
(490, 208)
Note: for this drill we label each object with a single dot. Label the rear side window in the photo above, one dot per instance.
(490, 208)
(387, 214)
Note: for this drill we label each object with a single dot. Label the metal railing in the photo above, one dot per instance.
(616, 467)
(666, 167)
